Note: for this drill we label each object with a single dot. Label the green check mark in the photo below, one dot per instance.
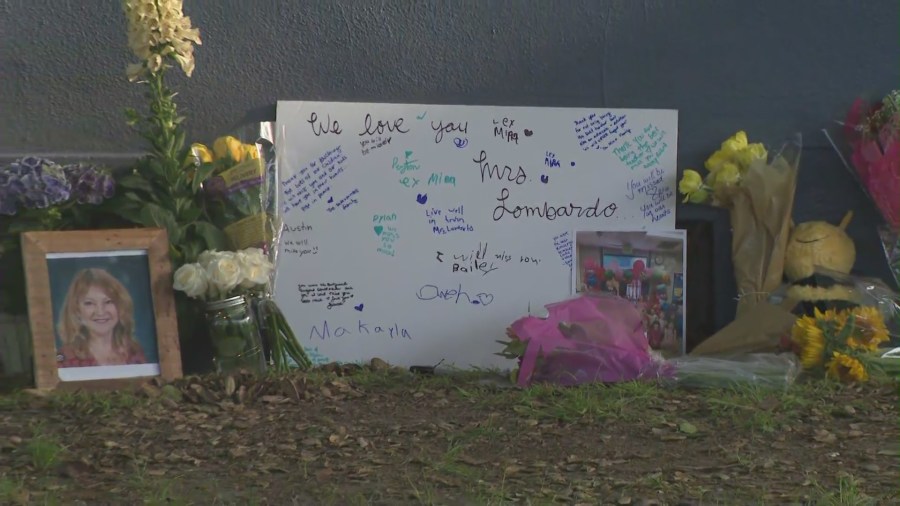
(422, 116)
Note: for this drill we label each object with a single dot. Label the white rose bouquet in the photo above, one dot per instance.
(220, 275)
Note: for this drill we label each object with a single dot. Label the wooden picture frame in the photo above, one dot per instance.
(115, 284)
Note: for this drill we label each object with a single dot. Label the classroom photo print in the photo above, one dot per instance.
(646, 268)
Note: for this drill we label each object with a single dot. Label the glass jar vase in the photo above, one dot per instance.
(235, 336)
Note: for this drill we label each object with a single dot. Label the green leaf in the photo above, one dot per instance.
(134, 197)
(201, 175)
(130, 213)
(214, 237)
(191, 250)
(190, 214)
(156, 169)
(179, 141)
(135, 182)
(153, 215)
(20, 226)
(687, 428)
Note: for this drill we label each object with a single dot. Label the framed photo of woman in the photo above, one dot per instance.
(101, 307)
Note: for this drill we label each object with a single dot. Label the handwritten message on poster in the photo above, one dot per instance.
(418, 233)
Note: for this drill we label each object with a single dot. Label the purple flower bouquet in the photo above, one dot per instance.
(39, 194)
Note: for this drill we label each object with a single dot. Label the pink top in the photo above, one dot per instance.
(66, 357)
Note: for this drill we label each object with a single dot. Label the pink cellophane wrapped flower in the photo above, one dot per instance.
(590, 338)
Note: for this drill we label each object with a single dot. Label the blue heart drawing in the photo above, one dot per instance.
(331, 200)
(460, 143)
(358, 307)
(545, 178)
(422, 198)
(378, 229)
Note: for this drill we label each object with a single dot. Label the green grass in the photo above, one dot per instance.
(847, 494)
(44, 452)
(12, 491)
(95, 403)
(569, 404)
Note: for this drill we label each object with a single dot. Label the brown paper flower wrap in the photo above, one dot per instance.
(760, 197)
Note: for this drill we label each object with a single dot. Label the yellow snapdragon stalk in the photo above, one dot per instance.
(163, 188)
(158, 29)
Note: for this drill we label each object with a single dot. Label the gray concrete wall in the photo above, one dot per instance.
(771, 67)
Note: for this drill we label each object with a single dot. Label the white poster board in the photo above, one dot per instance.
(418, 233)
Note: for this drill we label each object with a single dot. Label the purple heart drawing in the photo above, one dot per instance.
(545, 178)
(358, 307)
(422, 198)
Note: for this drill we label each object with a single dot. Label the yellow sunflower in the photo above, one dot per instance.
(802, 327)
(812, 352)
(846, 368)
(869, 329)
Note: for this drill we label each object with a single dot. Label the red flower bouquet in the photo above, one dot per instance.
(873, 132)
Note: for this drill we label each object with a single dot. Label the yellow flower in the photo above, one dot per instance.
(846, 368)
(715, 160)
(735, 143)
(228, 147)
(201, 153)
(728, 175)
(251, 152)
(869, 329)
(691, 181)
(750, 154)
(698, 197)
(811, 340)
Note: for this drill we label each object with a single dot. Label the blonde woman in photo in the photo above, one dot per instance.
(96, 324)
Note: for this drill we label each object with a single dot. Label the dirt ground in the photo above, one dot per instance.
(362, 436)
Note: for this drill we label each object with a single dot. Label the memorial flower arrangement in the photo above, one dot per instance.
(235, 191)
(873, 132)
(174, 186)
(840, 344)
(758, 190)
(726, 167)
(39, 194)
(163, 189)
(221, 275)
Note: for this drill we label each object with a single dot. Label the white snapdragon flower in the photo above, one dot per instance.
(158, 29)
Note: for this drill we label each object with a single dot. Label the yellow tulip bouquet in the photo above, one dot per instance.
(841, 344)
(237, 189)
(725, 170)
(759, 193)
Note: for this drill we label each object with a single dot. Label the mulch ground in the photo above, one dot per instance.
(358, 436)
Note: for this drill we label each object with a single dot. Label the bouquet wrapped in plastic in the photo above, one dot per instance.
(851, 328)
(239, 187)
(598, 338)
(590, 338)
(873, 132)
